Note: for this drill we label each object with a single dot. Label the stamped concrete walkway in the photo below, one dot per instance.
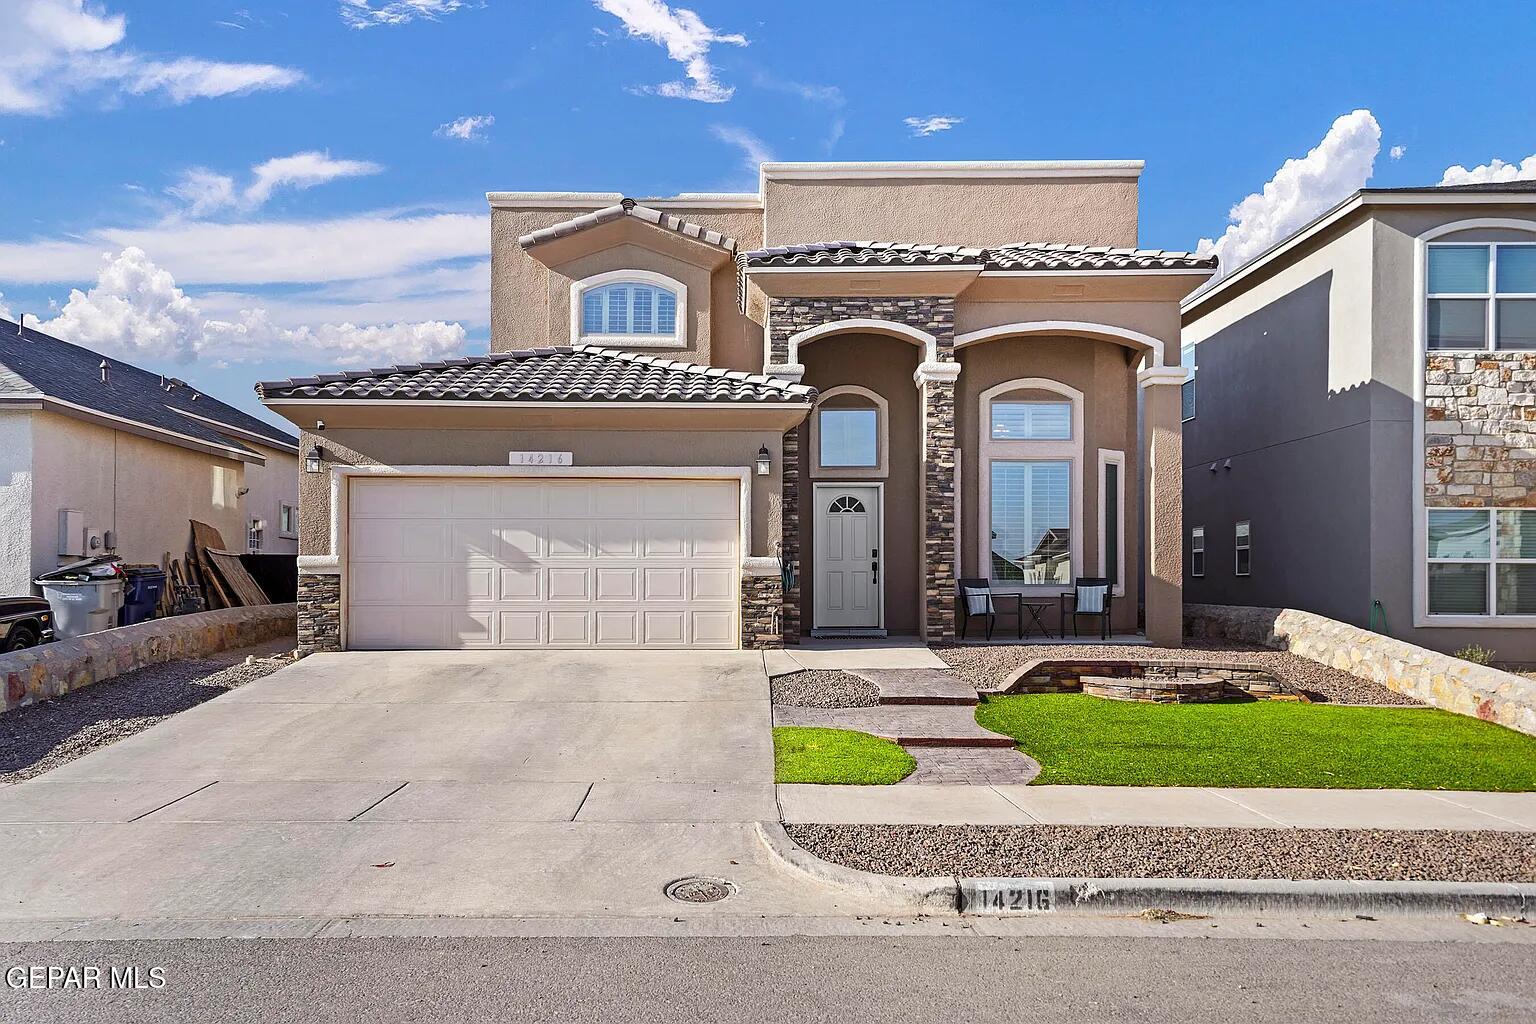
(1150, 805)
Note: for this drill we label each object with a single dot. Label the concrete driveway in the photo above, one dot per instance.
(488, 784)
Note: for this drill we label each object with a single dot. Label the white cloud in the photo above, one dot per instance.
(828, 96)
(59, 49)
(302, 170)
(466, 129)
(204, 191)
(1398, 152)
(366, 13)
(136, 310)
(687, 40)
(1494, 171)
(5, 311)
(754, 151)
(1301, 189)
(260, 252)
(923, 126)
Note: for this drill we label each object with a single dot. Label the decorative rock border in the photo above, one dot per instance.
(1046, 675)
(1157, 690)
(50, 670)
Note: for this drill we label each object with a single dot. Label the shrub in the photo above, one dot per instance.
(1477, 654)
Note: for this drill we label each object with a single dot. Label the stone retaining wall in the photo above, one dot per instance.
(38, 673)
(1048, 676)
(1436, 679)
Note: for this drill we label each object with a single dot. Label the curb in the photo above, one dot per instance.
(1098, 896)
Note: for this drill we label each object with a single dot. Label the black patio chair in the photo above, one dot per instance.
(975, 600)
(1091, 597)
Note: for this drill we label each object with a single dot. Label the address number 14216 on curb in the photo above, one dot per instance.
(1007, 896)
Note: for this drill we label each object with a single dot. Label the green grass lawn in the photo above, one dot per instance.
(837, 756)
(1087, 740)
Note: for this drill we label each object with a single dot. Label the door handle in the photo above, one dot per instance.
(874, 563)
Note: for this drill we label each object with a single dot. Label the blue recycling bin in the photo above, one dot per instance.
(141, 594)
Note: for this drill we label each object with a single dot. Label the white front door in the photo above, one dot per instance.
(848, 556)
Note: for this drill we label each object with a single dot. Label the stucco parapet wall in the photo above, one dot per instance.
(1436, 679)
(50, 670)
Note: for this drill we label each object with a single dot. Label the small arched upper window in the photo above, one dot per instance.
(624, 309)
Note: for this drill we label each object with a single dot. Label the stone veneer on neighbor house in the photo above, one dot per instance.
(932, 314)
(1480, 429)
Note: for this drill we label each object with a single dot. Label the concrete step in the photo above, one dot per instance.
(918, 686)
(909, 725)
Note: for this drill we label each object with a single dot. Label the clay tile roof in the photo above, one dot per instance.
(628, 208)
(580, 373)
(1023, 256)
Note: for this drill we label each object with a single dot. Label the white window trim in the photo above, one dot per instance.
(1112, 457)
(1197, 532)
(678, 338)
(1027, 451)
(256, 529)
(1242, 544)
(1489, 297)
(1189, 378)
(1421, 616)
(881, 468)
(1493, 561)
(293, 518)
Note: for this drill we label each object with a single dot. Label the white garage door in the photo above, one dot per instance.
(451, 563)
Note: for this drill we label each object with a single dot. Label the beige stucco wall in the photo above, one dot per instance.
(1156, 318)
(595, 448)
(269, 486)
(1106, 375)
(145, 491)
(530, 302)
(952, 211)
(885, 366)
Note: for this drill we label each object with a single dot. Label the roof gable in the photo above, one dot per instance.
(629, 208)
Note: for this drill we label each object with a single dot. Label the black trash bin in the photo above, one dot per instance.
(143, 585)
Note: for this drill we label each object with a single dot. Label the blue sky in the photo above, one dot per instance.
(243, 191)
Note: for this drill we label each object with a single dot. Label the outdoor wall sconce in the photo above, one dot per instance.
(312, 459)
(764, 461)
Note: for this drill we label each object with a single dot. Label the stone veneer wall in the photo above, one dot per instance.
(1480, 429)
(319, 613)
(762, 612)
(789, 316)
(938, 400)
(50, 670)
(1437, 679)
(789, 531)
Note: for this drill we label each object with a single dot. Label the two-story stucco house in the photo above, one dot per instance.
(1362, 440)
(711, 421)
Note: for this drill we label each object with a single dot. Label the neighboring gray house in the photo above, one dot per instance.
(1360, 435)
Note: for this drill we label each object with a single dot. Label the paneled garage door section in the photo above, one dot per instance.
(457, 563)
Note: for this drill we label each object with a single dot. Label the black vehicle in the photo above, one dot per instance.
(24, 622)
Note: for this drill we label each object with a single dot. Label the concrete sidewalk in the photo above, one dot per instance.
(1171, 806)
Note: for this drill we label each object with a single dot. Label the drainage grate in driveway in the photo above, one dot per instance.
(699, 889)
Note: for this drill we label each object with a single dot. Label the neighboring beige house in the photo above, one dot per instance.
(1362, 427)
(97, 455)
(707, 421)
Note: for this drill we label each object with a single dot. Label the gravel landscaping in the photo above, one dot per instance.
(824, 688)
(40, 737)
(1138, 851)
(984, 665)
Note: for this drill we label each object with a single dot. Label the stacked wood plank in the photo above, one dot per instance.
(222, 578)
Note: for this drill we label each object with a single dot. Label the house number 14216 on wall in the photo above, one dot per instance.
(540, 459)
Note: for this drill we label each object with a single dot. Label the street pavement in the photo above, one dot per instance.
(1189, 972)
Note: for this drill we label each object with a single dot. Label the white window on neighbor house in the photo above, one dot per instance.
(1481, 297)
(287, 520)
(629, 309)
(1243, 556)
(1482, 561)
(1031, 455)
(1187, 389)
(1197, 551)
(849, 432)
(253, 535)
